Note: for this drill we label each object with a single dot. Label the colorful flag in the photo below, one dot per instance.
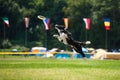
(87, 23)
(46, 22)
(5, 19)
(26, 20)
(66, 20)
(107, 23)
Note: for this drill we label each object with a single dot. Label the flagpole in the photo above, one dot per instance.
(107, 27)
(86, 35)
(46, 22)
(26, 20)
(106, 40)
(87, 26)
(4, 37)
(5, 19)
(26, 37)
(4, 31)
(4, 40)
(46, 42)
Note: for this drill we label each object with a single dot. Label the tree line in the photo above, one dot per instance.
(56, 10)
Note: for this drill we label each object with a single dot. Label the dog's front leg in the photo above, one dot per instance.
(58, 37)
(55, 35)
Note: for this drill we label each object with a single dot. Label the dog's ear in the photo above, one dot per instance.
(60, 26)
(65, 28)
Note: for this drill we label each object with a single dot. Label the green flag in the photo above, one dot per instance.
(5, 19)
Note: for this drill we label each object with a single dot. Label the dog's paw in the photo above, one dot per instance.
(55, 35)
(87, 42)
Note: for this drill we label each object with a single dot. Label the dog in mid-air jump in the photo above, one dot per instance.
(66, 37)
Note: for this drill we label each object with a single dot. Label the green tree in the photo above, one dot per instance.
(56, 10)
(110, 9)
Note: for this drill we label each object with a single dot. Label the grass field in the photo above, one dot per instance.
(35, 68)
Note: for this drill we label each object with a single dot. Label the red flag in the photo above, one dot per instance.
(66, 21)
(26, 20)
(87, 23)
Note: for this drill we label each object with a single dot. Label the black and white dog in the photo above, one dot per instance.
(66, 37)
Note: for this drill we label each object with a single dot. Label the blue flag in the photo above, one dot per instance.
(46, 22)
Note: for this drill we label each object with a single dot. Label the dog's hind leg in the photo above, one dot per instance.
(78, 49)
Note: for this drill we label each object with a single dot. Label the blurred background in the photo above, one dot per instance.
(17, 36)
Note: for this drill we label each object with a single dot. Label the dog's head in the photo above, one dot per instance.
(59, 27)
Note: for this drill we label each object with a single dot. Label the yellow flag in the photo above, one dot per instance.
(107, 23)
(66, 21)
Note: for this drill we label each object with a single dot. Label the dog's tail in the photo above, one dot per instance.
(83, 43)
(88, 42)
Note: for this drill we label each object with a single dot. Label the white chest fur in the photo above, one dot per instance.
(63, 37)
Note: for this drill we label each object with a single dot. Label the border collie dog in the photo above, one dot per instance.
(66, 37)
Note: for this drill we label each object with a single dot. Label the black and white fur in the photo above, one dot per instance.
(66, 37)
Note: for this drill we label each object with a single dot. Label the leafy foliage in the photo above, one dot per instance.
(56, 10)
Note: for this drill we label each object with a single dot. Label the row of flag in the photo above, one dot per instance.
(46, 22)
(6, 21)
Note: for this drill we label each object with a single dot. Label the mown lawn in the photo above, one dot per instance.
(34, 68)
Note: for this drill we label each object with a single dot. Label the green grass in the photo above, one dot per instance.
(34, 68)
